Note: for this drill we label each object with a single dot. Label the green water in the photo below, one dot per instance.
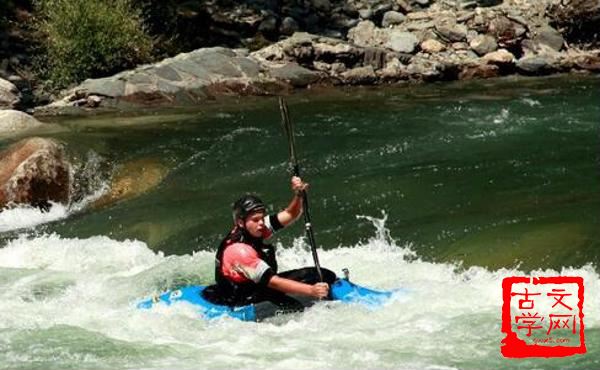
(500, 176)
(493, 173)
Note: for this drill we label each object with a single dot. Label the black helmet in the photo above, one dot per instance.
(247, 205)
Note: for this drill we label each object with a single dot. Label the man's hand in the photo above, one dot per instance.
(288, 286)
(294, 209)
(298, 185)
(320, 290)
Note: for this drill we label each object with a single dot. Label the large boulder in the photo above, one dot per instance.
(536, 65)
(10, 96)
(133, 179)
(549, 36)
(185, 79)
(34, 171)
(14, 122)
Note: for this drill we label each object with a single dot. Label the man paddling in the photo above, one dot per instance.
(246, 267)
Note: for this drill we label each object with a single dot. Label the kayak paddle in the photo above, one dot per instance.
(289, 132)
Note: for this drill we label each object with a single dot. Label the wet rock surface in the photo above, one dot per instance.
(34, 171)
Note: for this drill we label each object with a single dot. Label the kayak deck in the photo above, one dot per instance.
(341, 290)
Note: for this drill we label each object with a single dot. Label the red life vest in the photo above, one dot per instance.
(241, 293)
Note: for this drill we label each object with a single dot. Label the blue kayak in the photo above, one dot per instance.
(341, 290)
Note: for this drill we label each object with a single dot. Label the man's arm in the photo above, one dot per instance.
(318, 290)
(294, 209)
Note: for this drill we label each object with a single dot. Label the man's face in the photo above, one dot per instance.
(255, 224)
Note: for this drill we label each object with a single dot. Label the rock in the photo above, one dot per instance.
(107, 86)
(34, 171)
(483, 44)
(448, 29)
(366, 34)
(419, 16)
(499, 57)
(549, 36)
(350, 10)
(332, 33)
(402, 42)
(477, 71)
(468, 4)
(359, 76)
(289, 26)
(14, 122)
(503, 30)
(392, 18)
(93, 101)
(534, 65)
(472, 4)
(321, 5)
(420, 25)
(587, 62)
(365, 14)
(424, 70)
(184, 79)
(460, 46)
(10, 97)
(374, 57)
(337, 68)
(432, 46)
(381, 9)
(393, 71)
(344, 23)
(296, 75)
(533, 48)
(336, 52)
(321, 66)
(471, 35)
(404, 6)
(268, 26)
(133, 179)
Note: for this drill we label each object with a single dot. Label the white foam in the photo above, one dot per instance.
(26, 216)
(93, 284)
(97, 254)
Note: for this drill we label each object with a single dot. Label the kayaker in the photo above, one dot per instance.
(246, 267)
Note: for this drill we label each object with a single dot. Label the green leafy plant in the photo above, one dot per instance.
(89, 38)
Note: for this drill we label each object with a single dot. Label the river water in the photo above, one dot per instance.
(442, 190)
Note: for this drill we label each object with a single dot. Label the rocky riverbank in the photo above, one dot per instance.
(389, 43)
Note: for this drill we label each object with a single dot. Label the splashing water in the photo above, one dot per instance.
(71, 303)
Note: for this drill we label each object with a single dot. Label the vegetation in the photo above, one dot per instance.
(89, 38)
(6, 7)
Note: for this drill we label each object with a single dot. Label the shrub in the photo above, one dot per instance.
(89, 38)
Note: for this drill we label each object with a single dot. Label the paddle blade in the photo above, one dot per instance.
(288, 129)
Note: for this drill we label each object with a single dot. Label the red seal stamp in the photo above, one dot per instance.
(542, 317)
